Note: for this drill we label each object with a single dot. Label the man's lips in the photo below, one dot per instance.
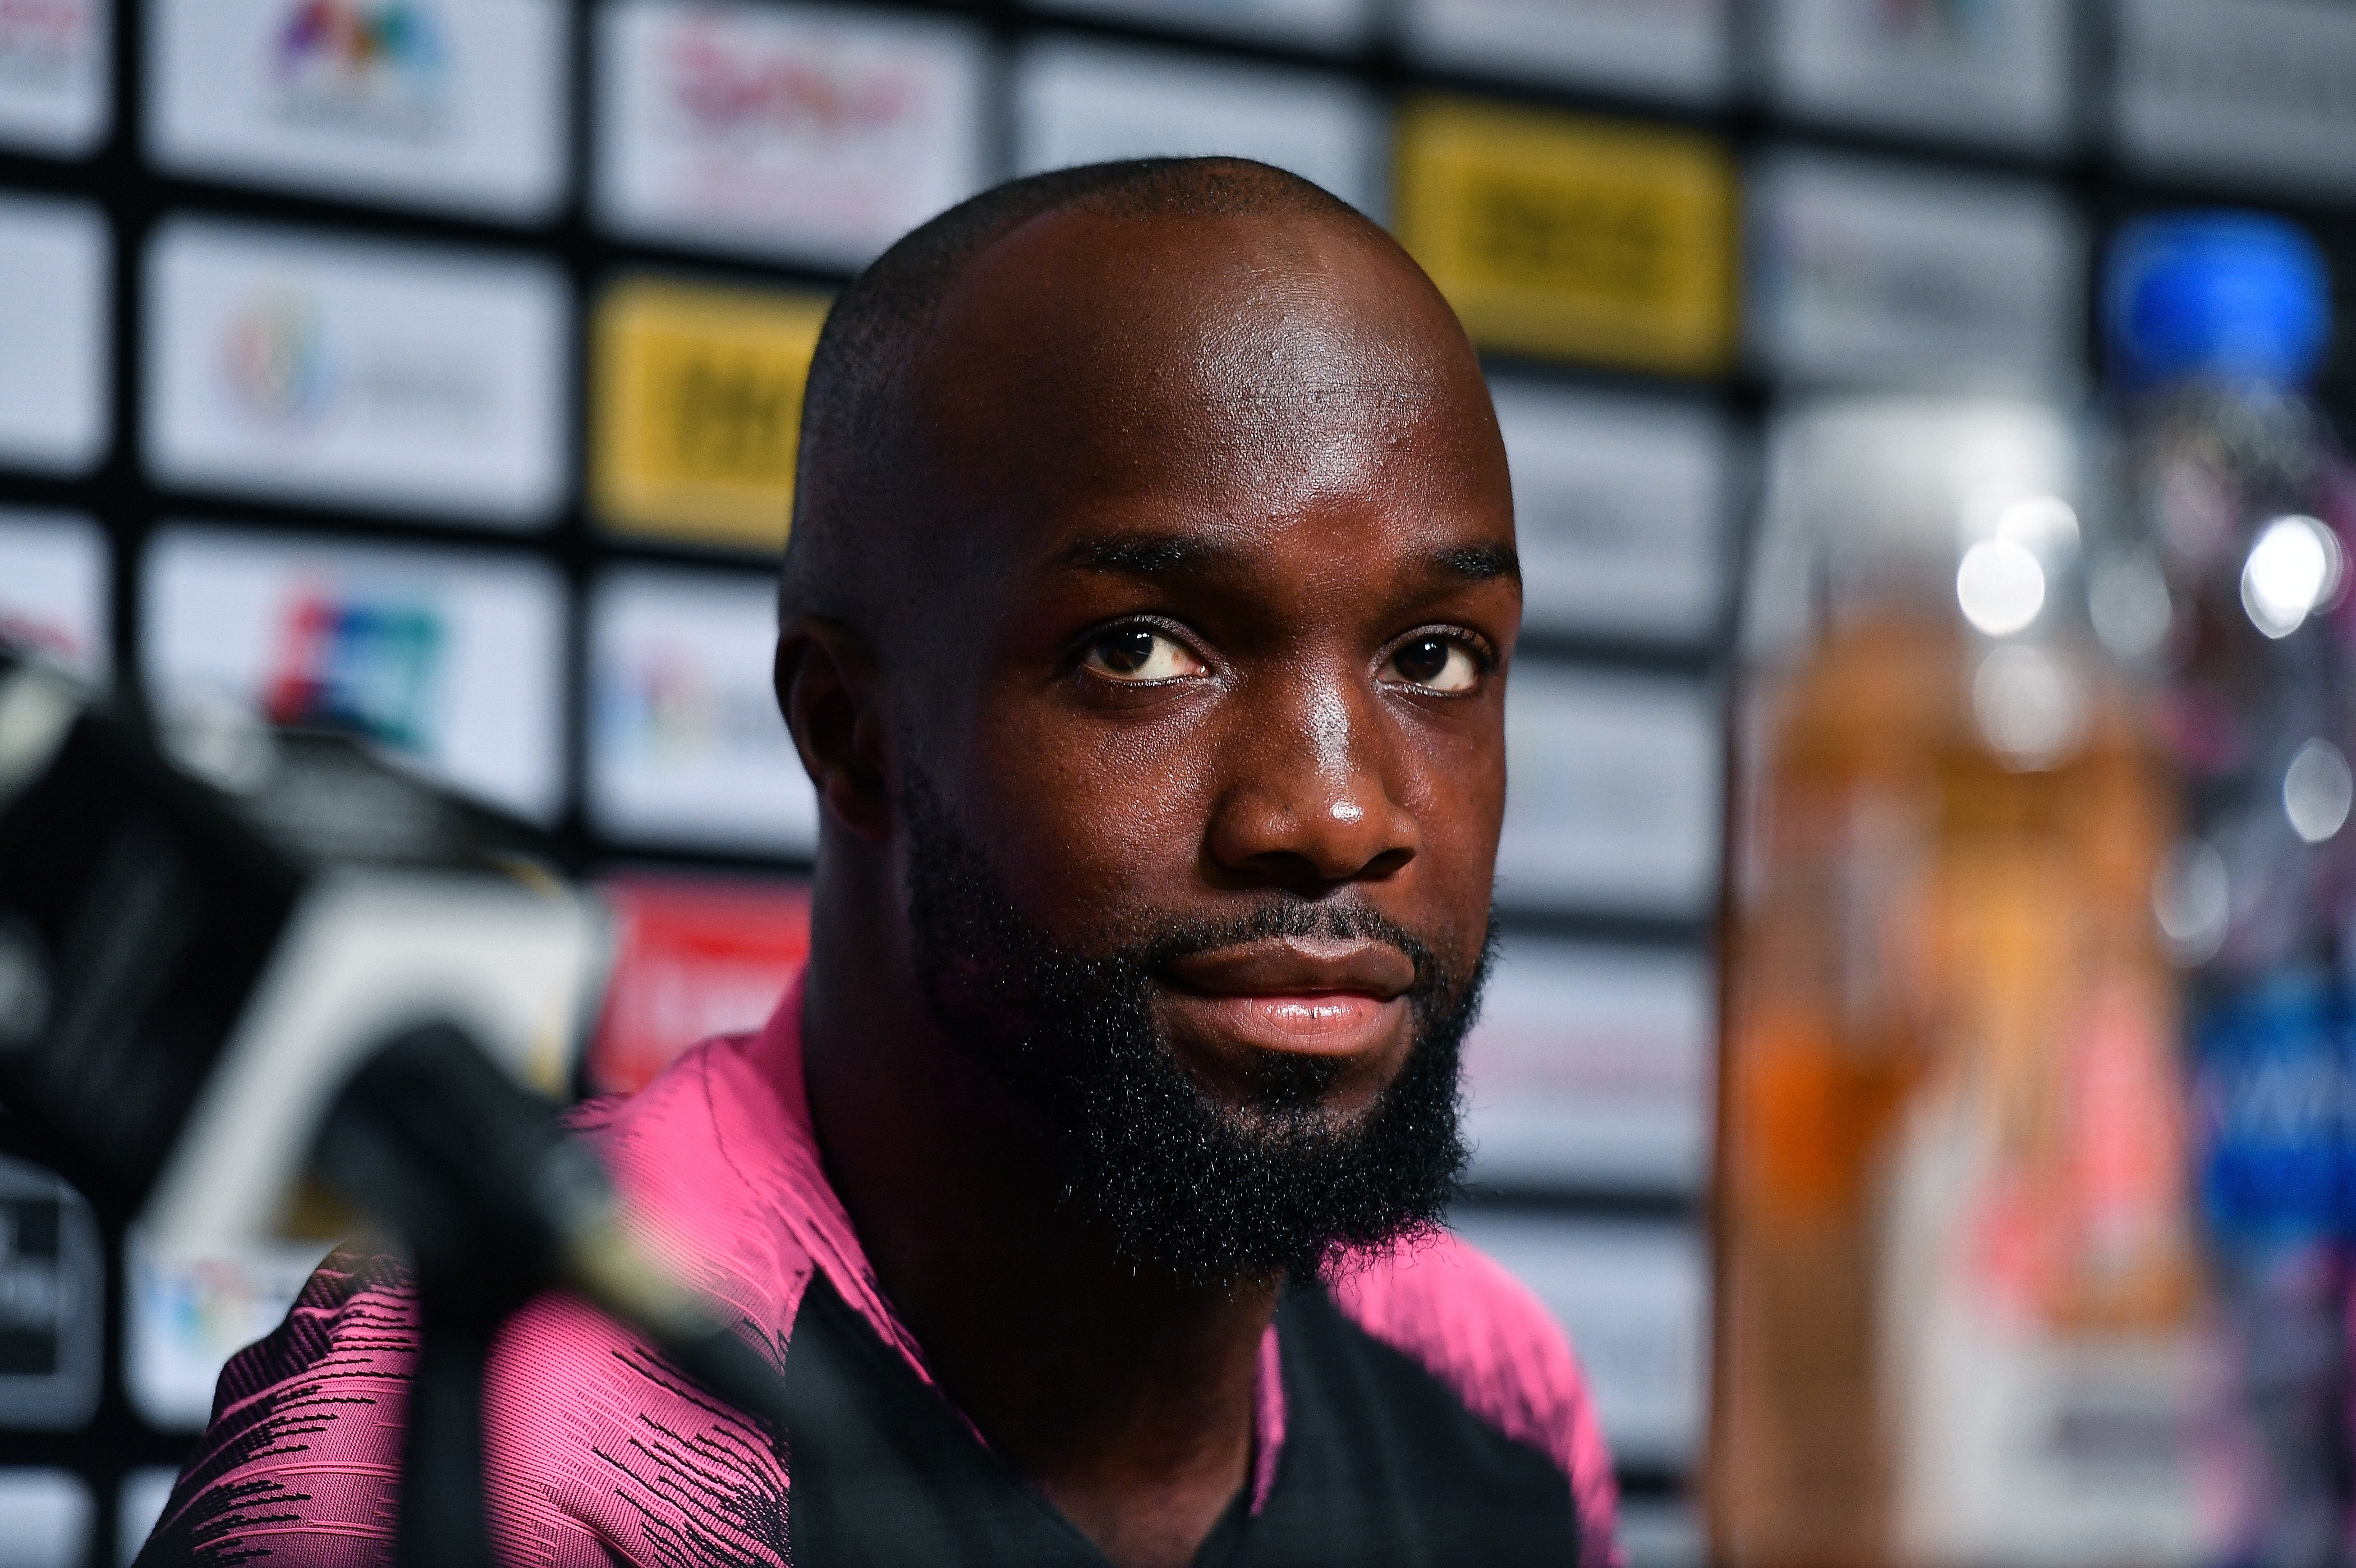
(1315, 995)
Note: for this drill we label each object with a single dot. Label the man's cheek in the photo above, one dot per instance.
(1096, 833)
(1141, 850)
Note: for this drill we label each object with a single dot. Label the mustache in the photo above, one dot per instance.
(1326, 921)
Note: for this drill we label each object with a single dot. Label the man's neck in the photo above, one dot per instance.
(1125, 1394)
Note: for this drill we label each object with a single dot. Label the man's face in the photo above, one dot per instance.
(1205, 738)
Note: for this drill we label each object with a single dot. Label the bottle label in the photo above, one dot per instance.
(2269, 1087)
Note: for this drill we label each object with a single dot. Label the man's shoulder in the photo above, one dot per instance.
(718, 1176)
(1456, 1312)
(299, 1459)
(597, 1450)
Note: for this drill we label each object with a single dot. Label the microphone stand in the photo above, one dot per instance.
(138, 912)
(498, 1202)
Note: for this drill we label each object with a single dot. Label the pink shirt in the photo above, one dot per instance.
(598, 1454)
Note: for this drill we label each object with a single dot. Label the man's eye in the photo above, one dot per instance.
(1141, 653)
(1436, 663)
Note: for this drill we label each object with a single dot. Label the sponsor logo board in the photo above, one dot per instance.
(1867, 273)
(699, 409)
(55, 589)
(455, 103)
(1677, 49)
(55, 387)
(56, 86)
(1315, 24)
(685, 745)
(795, 132)
(1620, 510)
(47, 1514)
(1079, 102)
(1591, 1067)
(449, 658)
(2238, 92)
(1557, 235)
(382, 377)
(1634, 1296)
(1995, 71)
(53, 1302)
(1615, 800)
(695, 957)
(144, 1493)
(189, 1315)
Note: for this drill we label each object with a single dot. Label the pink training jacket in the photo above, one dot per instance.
(599, 1454)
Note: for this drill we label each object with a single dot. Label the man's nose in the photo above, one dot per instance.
(1308, 801)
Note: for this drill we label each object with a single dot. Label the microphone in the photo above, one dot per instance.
(480, 1171)
(498, 1202)
(198, 1018)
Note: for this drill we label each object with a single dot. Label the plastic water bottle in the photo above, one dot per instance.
(2227, 593)
(1958, 1288)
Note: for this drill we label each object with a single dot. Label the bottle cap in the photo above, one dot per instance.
(2244, 296)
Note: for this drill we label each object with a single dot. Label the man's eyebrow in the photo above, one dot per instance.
(1157, 555)
(1150, 555)
(1481, 561)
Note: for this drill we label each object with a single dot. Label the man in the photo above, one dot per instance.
(1144, 630)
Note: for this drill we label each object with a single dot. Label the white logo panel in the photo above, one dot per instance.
(685, 745)
(187, 1316)
(1315, 24)
(447, 656)
(54, 383)
(53, 1270)
(1591, 1066)
(457, 103)
(1677, 49)
(1993, 71)
(1079, 102)
(1619, 509)
(55, 588)
(1868, 274)
(384, 377)
(1612, 800)
(2239, 89)
(1634, 1296)
(56, 76)
(787, 131)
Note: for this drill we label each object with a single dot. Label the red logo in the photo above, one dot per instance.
(696, 957)
(728, 90)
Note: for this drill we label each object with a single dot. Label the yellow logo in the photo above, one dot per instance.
(1557, 235)
(699, 409)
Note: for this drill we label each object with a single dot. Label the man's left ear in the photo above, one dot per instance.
(833, 703)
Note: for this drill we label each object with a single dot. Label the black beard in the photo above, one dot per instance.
(1213, 1193)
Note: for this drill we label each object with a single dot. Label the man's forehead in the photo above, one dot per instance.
(1232, 308)
(1249, 354)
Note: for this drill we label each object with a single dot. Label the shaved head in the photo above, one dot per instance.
(860, 499)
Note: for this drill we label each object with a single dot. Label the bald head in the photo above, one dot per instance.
(1054, 330)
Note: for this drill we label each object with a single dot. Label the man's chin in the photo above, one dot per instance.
(1272, 1175)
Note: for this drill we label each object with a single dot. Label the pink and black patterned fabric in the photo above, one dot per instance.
(1421, 1406)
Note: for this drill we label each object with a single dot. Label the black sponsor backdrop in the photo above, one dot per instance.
(131, 505)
